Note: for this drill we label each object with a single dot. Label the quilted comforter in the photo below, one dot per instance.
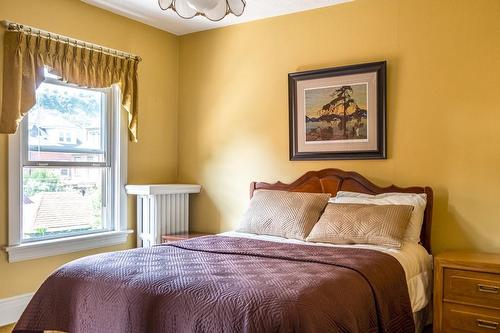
(224, 284)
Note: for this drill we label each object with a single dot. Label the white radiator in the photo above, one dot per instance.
(161, 210)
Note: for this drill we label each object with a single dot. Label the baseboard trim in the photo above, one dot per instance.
(11, 308)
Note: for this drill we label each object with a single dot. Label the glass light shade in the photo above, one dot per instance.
(203, 5)
(218, 12)
(165, 4)
(236, 6)
(184, 9)
(214, 10)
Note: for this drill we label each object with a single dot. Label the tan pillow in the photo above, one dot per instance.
(362, 224)
(418, 201)
(283, 214)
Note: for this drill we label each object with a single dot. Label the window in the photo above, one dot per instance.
(68, 170)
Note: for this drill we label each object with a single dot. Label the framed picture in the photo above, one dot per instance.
(338, 113)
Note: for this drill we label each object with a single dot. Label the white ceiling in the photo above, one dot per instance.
(148, 12)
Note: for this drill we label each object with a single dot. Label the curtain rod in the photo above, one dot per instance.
(11, 26)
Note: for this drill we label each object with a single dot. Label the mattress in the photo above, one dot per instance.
(414, 258)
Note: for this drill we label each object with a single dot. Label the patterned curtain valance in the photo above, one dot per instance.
(25, 57)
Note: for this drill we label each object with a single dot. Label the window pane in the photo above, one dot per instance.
(66, 123)
(62, 201)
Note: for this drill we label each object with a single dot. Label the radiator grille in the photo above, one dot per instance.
(161, 214)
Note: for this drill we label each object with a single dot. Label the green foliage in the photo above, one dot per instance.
(81, 107)
(96, 198)
(42, 231)
(41, 180)
(67, 103)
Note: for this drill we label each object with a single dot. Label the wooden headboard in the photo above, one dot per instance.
(334, 180)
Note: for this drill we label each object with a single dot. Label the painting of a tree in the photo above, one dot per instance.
(342, 117)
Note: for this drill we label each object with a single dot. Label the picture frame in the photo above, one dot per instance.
(338, 113)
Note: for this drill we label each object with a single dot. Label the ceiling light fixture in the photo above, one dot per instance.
(214, 10)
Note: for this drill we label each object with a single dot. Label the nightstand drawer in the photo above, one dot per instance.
(462, 318)
(470, 287)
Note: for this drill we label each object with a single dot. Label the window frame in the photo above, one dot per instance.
(116, 160)
(107, 121)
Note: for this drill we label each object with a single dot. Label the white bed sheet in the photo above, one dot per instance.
(414, 258)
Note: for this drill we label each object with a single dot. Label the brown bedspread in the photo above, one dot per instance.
(224, 284)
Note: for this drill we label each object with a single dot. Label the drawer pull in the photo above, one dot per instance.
(492, 325)
(484, 288)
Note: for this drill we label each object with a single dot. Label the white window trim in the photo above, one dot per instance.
(18, 251)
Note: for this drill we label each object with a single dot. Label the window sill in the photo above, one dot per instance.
(54, 247)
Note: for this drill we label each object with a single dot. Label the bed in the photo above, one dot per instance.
(240, 282)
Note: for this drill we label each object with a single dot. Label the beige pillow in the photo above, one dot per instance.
(283, 214)
(362, 224)
(418, 201)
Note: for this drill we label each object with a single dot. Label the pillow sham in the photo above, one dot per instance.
(283, 214)
(417, 200)
(362, 224)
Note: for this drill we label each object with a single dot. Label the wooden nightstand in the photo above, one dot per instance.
(466, 292)
(179, 237)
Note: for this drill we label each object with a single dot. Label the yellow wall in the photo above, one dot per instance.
(443, 111)
(6, 329)
(153, 159)
(226, 90)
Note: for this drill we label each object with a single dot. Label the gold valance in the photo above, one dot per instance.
(25, 57)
